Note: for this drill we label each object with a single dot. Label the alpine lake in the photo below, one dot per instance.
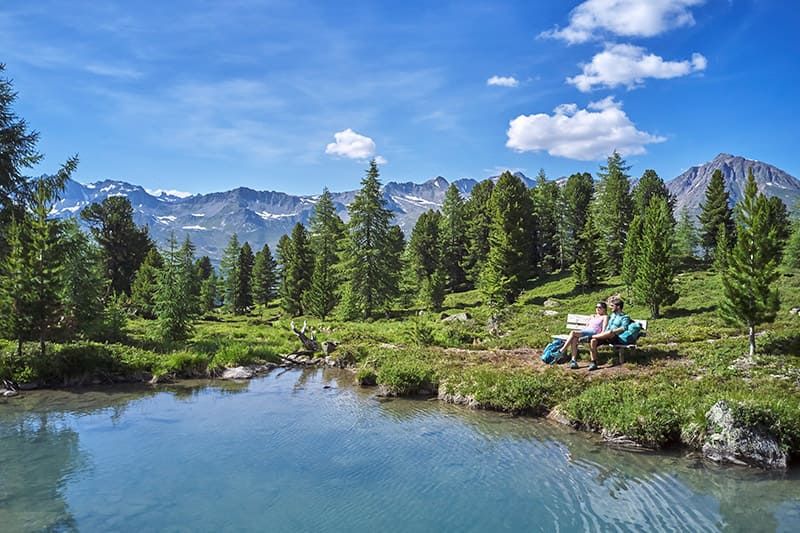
(306, 450)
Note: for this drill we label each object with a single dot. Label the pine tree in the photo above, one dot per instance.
(454, 238)
(16, 286)
(297, 272)
(425, 260)
(576, 198)
(370, 282)
(613, 210)
(243, 296)
(264, 277)
(686, 238)
(749, 293)
(144, 285)
(655, 268)
(715, 211)
(791, 253)
(477, 229)
(229, 272)
(546, 200)
(587, 269)
(779, 219)
(511, 242)
(327, 232)
(648, 186)
(174, 310)
(83, 285)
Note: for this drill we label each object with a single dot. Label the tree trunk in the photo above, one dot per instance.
(752, 338)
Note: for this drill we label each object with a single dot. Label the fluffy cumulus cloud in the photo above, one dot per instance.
(502, 81)
(585, 134)
(628, 65)
(353, 145)
(630, 18)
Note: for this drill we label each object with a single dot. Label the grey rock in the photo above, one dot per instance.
(239, 372)
(549, 312)
(328, 347)
(458, 317)
(551, 303)
(795, 310)
(734, 441)
(8, 393)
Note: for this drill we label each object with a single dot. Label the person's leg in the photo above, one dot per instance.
(571, 339)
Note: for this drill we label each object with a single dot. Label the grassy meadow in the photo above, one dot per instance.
(689, 359)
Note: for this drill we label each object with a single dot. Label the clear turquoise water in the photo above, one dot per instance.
(284, 453)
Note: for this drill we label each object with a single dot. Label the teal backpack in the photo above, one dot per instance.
(550, 355)
(631, 334)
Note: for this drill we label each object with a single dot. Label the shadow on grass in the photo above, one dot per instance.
(677, 312)
(576, 291)
(785, 345)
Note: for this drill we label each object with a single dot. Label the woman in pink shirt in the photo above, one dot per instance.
(596, 325)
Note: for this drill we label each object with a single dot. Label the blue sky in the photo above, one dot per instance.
(292, 96)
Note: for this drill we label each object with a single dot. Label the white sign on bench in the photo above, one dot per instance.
(579, 322)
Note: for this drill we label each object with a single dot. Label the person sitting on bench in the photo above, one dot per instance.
(617, 323)
(596, 325)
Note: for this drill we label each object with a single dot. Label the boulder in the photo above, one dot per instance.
(8, 393)
(551, 303)
(731, 440)
(328, 347)
(458, 317)
(795, 310)
(549, 312)
(239, 372)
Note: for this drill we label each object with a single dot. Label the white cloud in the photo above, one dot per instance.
(630, 18)
(380, 160)
(584, 134)
(628, 65)
(503, 81)
(353, 145)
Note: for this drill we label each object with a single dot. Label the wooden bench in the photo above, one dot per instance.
(579, 322)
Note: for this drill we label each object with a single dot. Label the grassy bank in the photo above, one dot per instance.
(689, 360)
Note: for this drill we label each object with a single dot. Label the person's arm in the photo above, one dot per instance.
(605, 323)
(625, 321)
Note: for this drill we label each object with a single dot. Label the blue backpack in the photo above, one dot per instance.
(550, 354)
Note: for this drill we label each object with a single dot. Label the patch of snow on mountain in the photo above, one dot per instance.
(271, 216)
(168, 192)
(198, 214)
(107, 188)
(195, 227)
(414, 200)
(166, 219)
(117, 194)
(90, 186)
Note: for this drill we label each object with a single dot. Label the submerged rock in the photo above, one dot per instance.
(239, 372)
(731, 440)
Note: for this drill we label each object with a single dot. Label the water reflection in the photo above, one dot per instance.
(305, 450)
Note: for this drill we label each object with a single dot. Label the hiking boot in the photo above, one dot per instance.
(573, 364)
(592, 366)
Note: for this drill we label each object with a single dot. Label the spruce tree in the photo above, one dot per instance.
(546, 200)
(264, 277)
(477, 229)
(297, 272)
(749, 293)
(174, 309)
(243, 296)
(686, 238)
(576, 198)
(327, 232)
(370, 281)
(229, 272)
(613, 210)
(425, 260)
(454, 238)
(144, 285)
(655, 268)
(511, 242)
(587, 268)
(715, 211)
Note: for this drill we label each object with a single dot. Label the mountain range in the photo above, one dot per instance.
(264, 216)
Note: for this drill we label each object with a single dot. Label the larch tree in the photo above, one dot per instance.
(144, 285)
(229, 272)
(297, 271)
(587, 267)
(453, 233)
(511, 242)
(479, 220)
(327, 232)
(16, 286)
(576, 198)
(613, 210)
(83, 286)
(243, 297)
(750, 295)
(174, 311)
(791, 253)
(715, 211)
(425, 259)
(547, 220)
(686, 237)
(264, 277)
(655, 269)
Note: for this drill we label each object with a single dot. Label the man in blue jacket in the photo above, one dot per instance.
(617, 323)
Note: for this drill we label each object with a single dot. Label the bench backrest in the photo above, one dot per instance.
(580, 322)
